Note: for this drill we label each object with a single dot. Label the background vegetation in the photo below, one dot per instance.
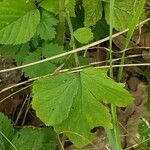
(71, 69)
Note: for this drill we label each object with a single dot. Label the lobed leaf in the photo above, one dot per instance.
(32, 138)
(72, 103)
(38, 69)
(7, 129)
(70, 5)
(49, 50)
(46, 28)
(53, 97)
(93, 12)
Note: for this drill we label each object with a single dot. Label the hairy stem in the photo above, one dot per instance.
(72, 41)
(115, 132)
(61, 26)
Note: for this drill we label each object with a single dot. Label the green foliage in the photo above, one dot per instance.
(27, 138)
(53, 6)
(57, 93)
(47, 50)
(93, 11)
(46, 28)
(101, 29)
(7, 129)
(123, 13)
(18, 21)
(50, 5)
(33, 138)
(70, 5)
(83, 35)
(72, 102)
(17, 52)
(39, 69)
(134, 21)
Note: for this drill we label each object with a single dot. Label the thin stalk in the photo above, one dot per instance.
(5, 137)
(60, 143)
(115, 132)
(110, 136)
(72, 41)
(110, 34)
(61, 26)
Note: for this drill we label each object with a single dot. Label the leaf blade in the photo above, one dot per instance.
(15, 18)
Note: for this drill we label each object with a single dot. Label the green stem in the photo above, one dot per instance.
(116, 130)
(110, 135)
(115, 133)
(72, 41)
(61, 26)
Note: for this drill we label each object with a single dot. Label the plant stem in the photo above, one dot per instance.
(110, 34)
(61, 26)
(116, 127)
(115, 133)
(60, 143)
(72, 41)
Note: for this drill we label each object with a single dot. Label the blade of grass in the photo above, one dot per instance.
(111, 138)
(114, 134)
(132, 27)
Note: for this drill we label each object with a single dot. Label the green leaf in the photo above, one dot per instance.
(53, 97)
(93, 12)
(18, 52)
(38, 69)
(7, 129)
(22, 53)
(86, 113)
(100, 85)
(74, 103)
(33, 138)
(18, 21)
(28, 138)
(101, 29)
(49, 50)
(83, 35)
(49, 140)
(50, 5)
(70, 5)
(46, 28)
(123, 13)
(134, 21)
